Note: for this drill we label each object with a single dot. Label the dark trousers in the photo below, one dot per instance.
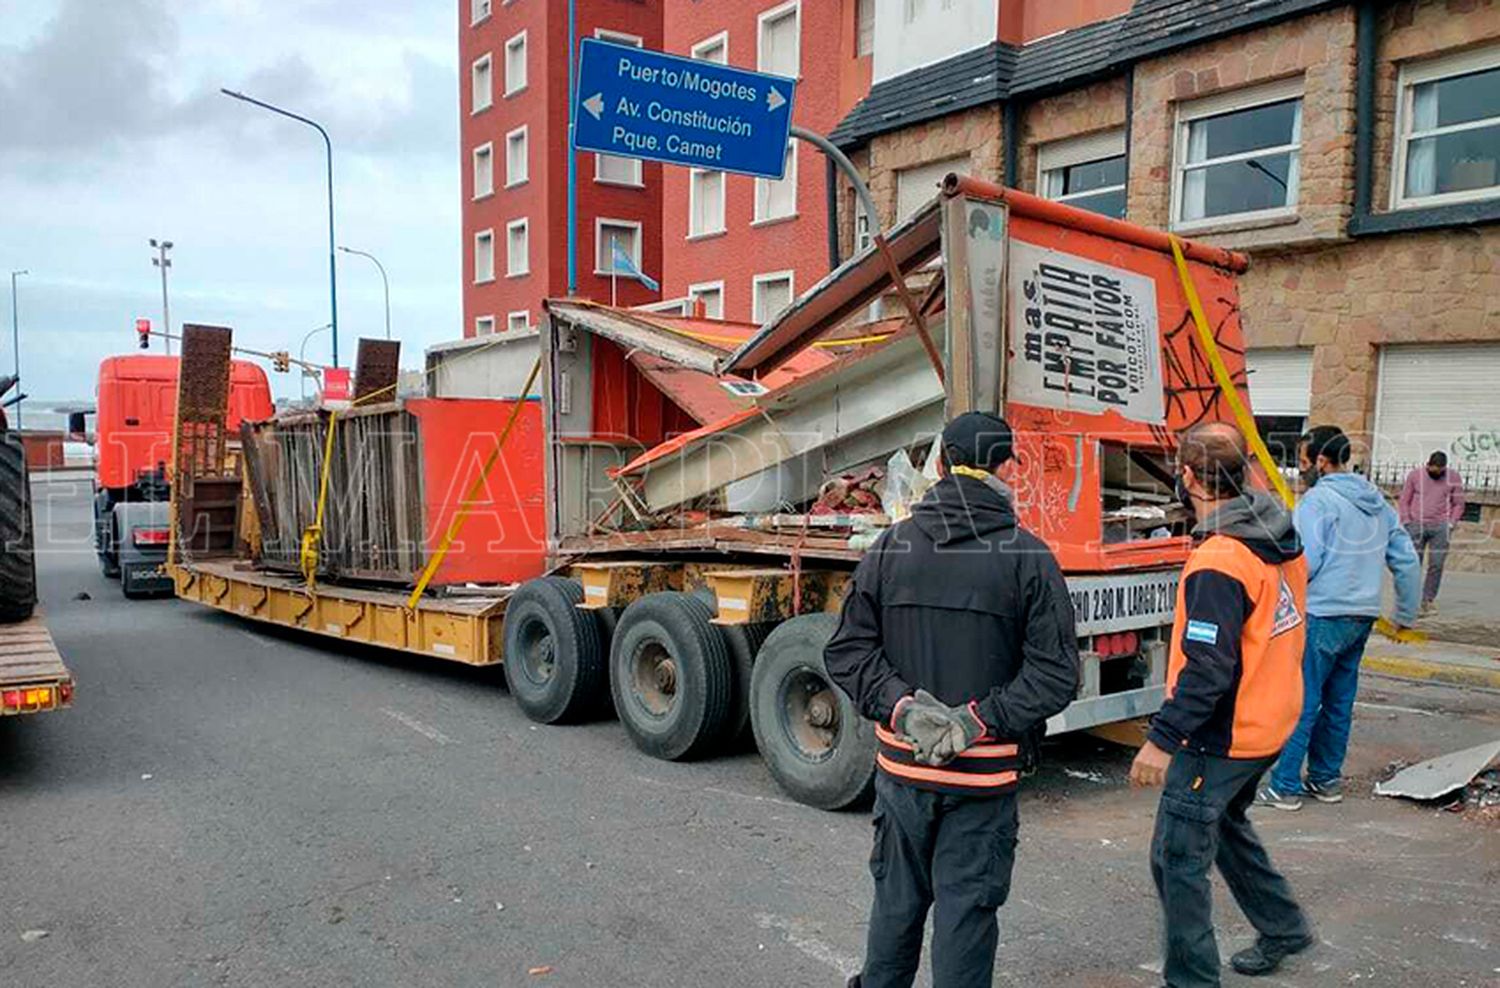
(950, 854)
(1201, 822)
(1434, 540)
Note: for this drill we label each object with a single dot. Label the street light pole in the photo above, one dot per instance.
(161, 260)
(333, 289)
(15, 337)
(384, 281)
(302, 360)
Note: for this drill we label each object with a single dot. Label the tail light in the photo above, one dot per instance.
(1117, 644)
(149, 536)
(31, 698)
(65, 692)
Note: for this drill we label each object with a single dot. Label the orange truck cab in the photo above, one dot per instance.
(137, 404)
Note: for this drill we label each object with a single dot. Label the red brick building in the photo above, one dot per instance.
(513, 57)
(744, 246)
(741, 246)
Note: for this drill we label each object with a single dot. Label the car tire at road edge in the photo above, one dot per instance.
(555, 653)
(815, 743)
(17, 547)
(671, 676)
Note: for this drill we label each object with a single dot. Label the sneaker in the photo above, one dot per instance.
(1326, 792)
(1268, 796)
(1429, 607)
(1267, 954)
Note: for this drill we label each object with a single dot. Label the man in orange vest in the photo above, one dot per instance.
(1234, 691)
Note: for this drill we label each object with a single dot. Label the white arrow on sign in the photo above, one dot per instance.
(595, 105)
(774, 99)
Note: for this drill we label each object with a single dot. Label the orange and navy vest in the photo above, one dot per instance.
(1257, 716)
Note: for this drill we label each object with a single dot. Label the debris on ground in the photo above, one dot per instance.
(32, 936)
(82, 595)
(1437, 777)
(539, 970)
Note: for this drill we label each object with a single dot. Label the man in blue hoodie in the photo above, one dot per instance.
(1350, 535)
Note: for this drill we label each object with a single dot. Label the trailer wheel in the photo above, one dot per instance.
(17, 558)
(671, 676)
(816, 745)
(554, 655)
(743, 642)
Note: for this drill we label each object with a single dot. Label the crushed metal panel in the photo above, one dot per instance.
(376, 368)
(1437, 777)
(700, 395)
(634, 333)
(849, 287)
(821, 416)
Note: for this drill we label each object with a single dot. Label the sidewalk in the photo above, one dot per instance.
(1468, 609)
(1464, 633)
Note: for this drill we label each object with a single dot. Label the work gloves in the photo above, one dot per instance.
(937, 731)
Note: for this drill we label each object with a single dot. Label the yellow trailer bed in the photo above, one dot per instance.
(460, 629)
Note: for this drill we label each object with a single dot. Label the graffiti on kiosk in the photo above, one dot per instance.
(1476, 445)
(1089, 336)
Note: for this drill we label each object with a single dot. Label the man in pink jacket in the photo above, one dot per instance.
(1432, 502)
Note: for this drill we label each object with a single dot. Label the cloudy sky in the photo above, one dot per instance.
(112, 131)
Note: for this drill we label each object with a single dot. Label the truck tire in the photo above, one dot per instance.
(17, 555)
(815, 743)
(555, 656)
(743, 642)
(105, 541)
(671, 676)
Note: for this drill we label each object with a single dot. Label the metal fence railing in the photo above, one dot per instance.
(1478, 478)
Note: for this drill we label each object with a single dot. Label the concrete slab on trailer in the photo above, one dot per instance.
(465, 629)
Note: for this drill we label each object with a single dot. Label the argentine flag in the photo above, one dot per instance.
(625, 266)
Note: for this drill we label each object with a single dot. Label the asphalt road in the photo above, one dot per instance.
(229, 805)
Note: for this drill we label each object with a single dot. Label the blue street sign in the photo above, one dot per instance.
(645, 104)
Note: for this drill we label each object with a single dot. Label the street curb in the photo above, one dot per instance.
(1423, 670)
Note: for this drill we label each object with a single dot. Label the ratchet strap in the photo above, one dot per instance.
(1222, 377)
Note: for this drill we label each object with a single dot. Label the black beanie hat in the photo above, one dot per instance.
(977, 439)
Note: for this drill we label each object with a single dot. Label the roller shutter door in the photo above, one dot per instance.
(1439, 396)
(1280, 381)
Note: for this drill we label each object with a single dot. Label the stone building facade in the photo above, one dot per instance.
(1381, 307)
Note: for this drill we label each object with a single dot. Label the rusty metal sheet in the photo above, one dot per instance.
(376, 368)
(841, 293)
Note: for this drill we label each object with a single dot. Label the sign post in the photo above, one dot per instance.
(637, 103)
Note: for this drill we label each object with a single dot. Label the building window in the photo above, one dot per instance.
(484, 170)
(1087, 172)
(780, 48)
(1448, 122)
(714, 49)
(483, 88)
(516, 164)
(776, 198)
(517, 248)
(771, 294)
(516, 321)
(1238, 154)
(484, 325)
(484, 256)
(611, 233)
(515, 64)
(479, 10)
(711, 294)
(864, 27)
(705, 203)
(918, 185)
(611, 169)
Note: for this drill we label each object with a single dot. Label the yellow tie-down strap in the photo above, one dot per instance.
(1222, 377)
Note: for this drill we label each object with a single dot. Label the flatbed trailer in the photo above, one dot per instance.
(33, 677)
(695, 605)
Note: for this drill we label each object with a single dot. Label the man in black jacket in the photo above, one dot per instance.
(957, 639)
